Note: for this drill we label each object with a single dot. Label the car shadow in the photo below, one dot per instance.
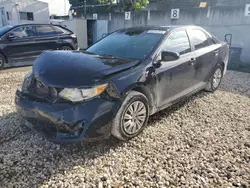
(26, 155)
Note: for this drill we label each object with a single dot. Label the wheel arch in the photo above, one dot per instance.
(222, 63)
(5, 56)
(145, 91)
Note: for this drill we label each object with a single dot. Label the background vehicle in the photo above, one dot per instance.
(26, 42)
(119, 82)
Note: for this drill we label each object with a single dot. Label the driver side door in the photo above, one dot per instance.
(175, 78)
(21, 44)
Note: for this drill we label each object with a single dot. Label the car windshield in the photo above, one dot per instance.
(5, 29)
(128, 44)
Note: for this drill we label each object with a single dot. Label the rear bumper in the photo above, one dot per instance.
(66, 122)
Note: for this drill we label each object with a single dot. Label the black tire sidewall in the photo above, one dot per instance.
(131, 97)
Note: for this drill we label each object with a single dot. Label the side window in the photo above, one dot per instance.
(177, 42)
(44, 30)
(59, 30)
(23, 32)
(30, 30)
(200, 39)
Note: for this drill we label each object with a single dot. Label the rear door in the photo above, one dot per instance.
(206, 53)
(176, 78)
(46, 38)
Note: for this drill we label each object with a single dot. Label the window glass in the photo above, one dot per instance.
(177, 42)
(130, 44)
(26, 16)
(45, 30)
(30, 30)
(30, 16)
(200, 39)
(23, 32)
(9, 15)
(59, 31)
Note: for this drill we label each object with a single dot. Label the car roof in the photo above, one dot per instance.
(163, 28)
(10, 27)
(18, 25)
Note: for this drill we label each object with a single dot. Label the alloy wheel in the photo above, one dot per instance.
(217, 78)
(134, 117)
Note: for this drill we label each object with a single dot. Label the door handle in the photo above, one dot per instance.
(192, 61)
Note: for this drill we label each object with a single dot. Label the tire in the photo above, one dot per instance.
(66, 48)
(125, 124)
(215, 80)
(2, 61)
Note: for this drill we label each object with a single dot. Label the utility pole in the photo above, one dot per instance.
(85, 10)
(65, 7)
(17, 11)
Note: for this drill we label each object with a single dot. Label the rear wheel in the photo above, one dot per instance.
(2, 61)
(131, 117)
(215, 81)
(66, 48)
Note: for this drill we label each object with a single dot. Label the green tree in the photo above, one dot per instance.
(122, 5)
(130, 5)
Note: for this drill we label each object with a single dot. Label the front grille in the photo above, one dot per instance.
(50, 126)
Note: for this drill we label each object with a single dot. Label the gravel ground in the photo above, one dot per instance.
(203, 141)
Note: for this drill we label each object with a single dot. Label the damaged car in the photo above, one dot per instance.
(117, 83)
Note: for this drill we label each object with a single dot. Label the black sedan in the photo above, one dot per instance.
(115, 85)
(26, 42)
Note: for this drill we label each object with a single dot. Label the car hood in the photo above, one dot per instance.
(65, 69)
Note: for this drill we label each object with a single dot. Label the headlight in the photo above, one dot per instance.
(78, 95)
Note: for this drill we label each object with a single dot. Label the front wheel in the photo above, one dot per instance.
(131, 117)
(215, 81)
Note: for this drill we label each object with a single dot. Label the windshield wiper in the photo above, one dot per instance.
(108, 55)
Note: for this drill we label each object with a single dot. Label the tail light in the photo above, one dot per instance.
(73, 35)
(228, 46)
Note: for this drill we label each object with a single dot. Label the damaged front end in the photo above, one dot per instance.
(61, 120)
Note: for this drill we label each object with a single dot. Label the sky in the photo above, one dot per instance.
(58, 7)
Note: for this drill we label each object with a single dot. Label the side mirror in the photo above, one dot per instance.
(169, 56)
(228, 39)
(11, 36)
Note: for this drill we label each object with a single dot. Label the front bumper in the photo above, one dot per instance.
(67, 122)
